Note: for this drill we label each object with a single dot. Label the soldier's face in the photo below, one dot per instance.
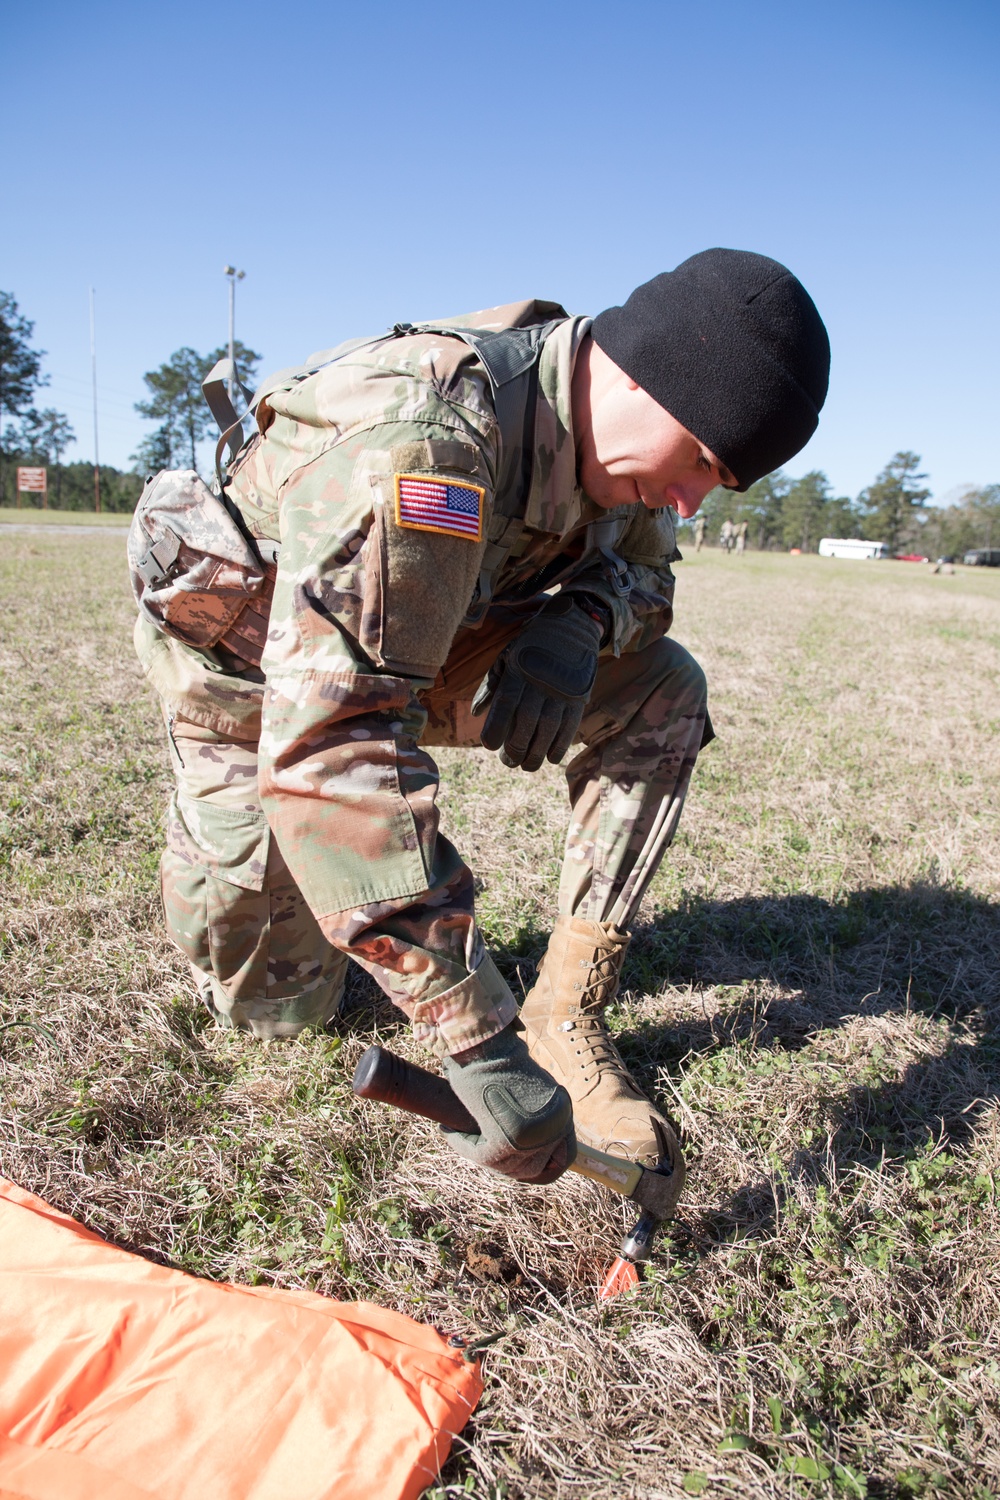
(630, 450)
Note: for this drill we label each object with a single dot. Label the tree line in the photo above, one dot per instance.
(782, 512)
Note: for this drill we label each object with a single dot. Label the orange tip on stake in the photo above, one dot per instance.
(623, 1277)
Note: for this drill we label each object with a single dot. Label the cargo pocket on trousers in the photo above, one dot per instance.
(215, 892)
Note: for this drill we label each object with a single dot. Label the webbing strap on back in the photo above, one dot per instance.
(219, 381)
(510, 357)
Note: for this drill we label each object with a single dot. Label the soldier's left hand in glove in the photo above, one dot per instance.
(539, 685)
(525, 1118)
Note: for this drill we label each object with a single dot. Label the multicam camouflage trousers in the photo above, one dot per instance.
(257, 954)
(231, 903)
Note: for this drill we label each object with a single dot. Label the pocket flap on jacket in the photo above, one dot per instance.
(192, 568)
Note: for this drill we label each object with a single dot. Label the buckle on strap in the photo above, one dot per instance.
(480, 602)
(154, 567)
(602, 537)
(615, 570)
(218, 386)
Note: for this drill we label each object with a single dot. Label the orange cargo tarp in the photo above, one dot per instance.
(123, 1380)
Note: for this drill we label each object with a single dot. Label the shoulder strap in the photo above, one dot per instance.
(510, 356)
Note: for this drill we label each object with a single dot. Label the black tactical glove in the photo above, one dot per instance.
(538, 687)
(525, 1118)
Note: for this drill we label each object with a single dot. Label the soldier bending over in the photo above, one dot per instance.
(461, 535)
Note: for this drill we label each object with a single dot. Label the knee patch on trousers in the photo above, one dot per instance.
(232, 908)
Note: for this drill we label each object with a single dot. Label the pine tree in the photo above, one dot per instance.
(892, 506)
(803, 510)
(763, 506)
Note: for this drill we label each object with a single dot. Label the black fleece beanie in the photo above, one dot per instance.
(732, 346)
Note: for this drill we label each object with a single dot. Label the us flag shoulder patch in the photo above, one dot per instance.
(449, 506)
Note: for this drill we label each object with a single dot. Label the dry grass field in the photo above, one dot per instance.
(33, 516)
(813, 991)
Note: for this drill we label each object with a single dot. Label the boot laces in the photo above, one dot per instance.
(597, 992)
(590, 1027)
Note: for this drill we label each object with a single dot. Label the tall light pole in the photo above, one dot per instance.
(234, 277)
(93, 382)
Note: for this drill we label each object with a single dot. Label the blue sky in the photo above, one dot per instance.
(369, 163)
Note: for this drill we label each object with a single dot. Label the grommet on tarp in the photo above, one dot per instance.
(472, 1348)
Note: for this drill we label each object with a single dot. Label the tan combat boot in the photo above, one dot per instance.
(563, 1019)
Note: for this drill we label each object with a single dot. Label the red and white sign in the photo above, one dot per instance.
(32, 479)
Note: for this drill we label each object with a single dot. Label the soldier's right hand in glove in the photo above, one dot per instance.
(525, 1118)
(538, 686)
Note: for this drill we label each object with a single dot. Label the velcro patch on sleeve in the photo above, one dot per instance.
(448, 506)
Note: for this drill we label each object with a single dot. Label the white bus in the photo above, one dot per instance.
(832, 546)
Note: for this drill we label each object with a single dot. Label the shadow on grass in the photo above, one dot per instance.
(920, 947)
(919, 1125)
(884, 952)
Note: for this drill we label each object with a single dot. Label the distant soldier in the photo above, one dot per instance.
(699, 533)
(726, 535)
(741, 537)
(457, 534)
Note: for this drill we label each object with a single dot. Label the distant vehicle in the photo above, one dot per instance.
(911, 557)
(983, 557)
(832, 546)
